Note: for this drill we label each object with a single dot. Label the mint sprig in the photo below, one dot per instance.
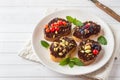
(44, 43)
(74, 21)
(71, 62)
(64, 62)
(102, 40)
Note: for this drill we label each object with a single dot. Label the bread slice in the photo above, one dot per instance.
(62, 48)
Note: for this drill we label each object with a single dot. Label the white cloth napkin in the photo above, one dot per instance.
(101, 74)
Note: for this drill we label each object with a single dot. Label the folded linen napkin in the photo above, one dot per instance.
(101, 74)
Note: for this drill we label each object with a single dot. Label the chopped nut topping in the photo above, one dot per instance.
(55, 44)
(87, 47)
(62, 44)
(56, 32)
(60, 48)
(66, 43)
(55, 49)
(82, 51)
(53, 36)
(87, 51)
(60, 53)
(64, 50)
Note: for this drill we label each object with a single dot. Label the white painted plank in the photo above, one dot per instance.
(21, 15)
(27, 71)
(15, 37)
(32, 16)
(41, 78)
(18, 28)
(38, 70)
(10, 58)
(55, 3)
(50, 78)
(11, 46)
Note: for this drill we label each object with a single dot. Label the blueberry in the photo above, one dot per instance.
(91, 29)
(97, 47)
(93, 46)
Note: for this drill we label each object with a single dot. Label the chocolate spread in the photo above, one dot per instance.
(63, 29)
(89, 28)
(88, 50)
(62, 46)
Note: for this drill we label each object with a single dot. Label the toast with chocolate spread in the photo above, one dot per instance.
(86, 31)
(88, 50)
(62, 48)
(57, 28)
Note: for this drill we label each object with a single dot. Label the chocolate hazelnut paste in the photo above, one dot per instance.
(62, 46)
(57, 27)
(88, 50)
(89, 28)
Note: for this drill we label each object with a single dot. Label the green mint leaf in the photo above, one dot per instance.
(44, 44)
(74, 21)
(71, 64)
(102, 40)
(77, 62)
(77, 22)
(64, 62)
(69, 18)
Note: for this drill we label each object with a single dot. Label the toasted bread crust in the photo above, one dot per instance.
(87, 62)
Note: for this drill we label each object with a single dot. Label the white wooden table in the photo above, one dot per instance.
(17, 20)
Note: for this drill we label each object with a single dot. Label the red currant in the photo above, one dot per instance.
(56, 28)
(47, 30)
(60, 22)
(64, 22)
(55, 24)
(52, 24)
(46, 26)
(52, 29)
(95, 52)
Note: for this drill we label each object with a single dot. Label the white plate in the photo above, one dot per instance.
(43, 53)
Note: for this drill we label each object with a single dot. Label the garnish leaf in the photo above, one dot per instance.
(71, 64)
(77, 62)
(64, 62)
(102, 40)
(44, 44)
(77, 22)
(74, 21)
(69, 18)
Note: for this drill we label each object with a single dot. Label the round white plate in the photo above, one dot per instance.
(43, 53)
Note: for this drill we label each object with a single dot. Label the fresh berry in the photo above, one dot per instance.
(52, 29)
(60, 22)
(95, 52)
(87, 26)
(56, 28)
(64, 22)
(52, 24)
(46, 26)
(55, 24)
(47, 30)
